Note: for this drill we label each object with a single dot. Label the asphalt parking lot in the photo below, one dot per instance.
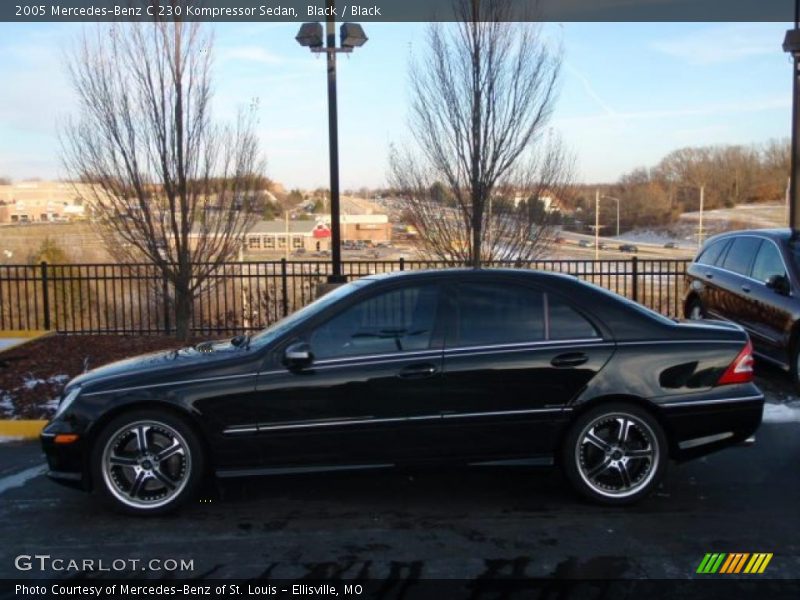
(460, 523)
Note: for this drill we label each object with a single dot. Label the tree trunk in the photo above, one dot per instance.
(183, 312)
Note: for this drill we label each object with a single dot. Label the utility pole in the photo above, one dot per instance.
(597, 224)
(791, 44)
(700, 226)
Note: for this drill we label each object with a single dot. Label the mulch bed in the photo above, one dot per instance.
(33, 375)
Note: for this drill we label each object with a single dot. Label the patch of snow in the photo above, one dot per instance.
(10, 438)
(31, 382)
(781, 413)
(19, 479)
(6, 404)
(58, 379)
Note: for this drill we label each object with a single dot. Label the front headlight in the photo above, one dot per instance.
(70, 398)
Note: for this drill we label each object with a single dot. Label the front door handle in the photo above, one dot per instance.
(570, 359)
(417, 371)
(709, 275)
(746, 289)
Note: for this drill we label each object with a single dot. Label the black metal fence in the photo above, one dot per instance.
(247, 296)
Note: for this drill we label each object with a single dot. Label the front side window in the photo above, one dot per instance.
(395, 321)
(490, 314)
(741, 253)
(768, 262)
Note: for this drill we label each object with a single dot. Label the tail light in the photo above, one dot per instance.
(741, 369)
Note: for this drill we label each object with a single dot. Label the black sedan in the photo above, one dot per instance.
(484, 367)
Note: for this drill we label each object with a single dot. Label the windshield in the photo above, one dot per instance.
(280, 327)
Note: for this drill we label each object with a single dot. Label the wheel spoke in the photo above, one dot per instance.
(624, 429)
(122, 461)
(141, 438)
(163, 478)
(640, 453)
(138, 484)
(592, 438)
(174, 448)
(598, 469)
(624, 474)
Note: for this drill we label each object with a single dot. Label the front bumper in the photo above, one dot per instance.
(67, 463)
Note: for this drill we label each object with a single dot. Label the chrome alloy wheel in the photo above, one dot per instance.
(146, 464)
(617, 455)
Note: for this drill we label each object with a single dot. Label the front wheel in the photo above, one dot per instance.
(147, 462)
(615, 454)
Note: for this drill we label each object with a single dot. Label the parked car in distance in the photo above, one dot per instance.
(602, 245)
(584, 243)
(480, 367)
(671, 245)
(751, 277)
(628, 248)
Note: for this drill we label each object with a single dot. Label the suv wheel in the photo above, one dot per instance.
(615, 454)
(147, 462)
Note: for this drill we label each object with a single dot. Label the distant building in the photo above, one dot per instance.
(39, 201)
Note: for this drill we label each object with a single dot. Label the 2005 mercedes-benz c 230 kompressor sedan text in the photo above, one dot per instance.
(449, 366)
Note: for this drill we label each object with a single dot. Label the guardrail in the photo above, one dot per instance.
(248, 296)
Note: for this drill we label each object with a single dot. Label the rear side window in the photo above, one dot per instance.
(490, 314)
(711, 253)
(768, 262)
(740, 256)
(566, 323)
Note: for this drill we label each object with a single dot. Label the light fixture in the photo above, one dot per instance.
(310, 35)
(352, 35)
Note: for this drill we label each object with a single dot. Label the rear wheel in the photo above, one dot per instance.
(147, 462)
(615, 454)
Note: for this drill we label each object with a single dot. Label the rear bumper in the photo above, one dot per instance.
(699, 426)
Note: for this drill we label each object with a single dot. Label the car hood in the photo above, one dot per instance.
(202, 356)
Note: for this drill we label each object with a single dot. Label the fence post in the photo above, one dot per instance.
(285, 287)
(635, 277)
(402, 263)
(166, 304)
(45, 295)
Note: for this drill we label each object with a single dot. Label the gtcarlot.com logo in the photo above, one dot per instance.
(723, 563)
(45, 562)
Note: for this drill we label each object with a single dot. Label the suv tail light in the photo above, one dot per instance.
(741, 369)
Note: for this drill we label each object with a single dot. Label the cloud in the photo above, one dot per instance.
(724, 43)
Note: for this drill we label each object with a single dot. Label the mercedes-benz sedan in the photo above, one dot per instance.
(486, 367)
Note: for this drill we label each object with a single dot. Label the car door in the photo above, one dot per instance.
(371, 392)
(734, 285)
(706, 281)
(769, 314)
(515, 356)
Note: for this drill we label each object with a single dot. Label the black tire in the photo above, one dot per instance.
(694, 309)
(147, 462)
(607, 467)
(794, 367)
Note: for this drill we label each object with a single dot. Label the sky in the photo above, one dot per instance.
(629, 94)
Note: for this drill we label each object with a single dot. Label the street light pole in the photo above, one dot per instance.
(597, 224)
(791, 44)
(333, 143)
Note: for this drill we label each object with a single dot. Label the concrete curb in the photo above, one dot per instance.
(21, 429)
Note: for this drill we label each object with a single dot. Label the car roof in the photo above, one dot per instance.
(783, 233)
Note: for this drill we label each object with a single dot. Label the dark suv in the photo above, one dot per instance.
(751, 277)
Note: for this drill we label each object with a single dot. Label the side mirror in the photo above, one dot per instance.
(298, 356)
(779, 283)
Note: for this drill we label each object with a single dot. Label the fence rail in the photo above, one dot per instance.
(247, 296)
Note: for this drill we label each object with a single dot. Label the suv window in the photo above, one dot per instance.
(741, 253)
(394, 321)
(498, 314)
(566, 323)
(711, 253)
(768, 262)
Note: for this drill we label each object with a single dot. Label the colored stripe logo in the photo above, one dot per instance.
(734, 563)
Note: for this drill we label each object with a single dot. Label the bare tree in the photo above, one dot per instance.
(167, 185)
(481, 103)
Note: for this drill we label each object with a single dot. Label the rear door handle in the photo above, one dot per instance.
(746, 289)
(418, 371)
(709, 275)
(570, 359)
